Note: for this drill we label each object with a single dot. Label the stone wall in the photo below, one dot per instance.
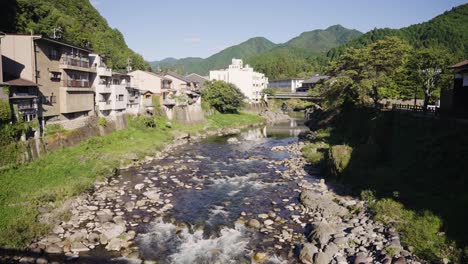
(188, 114)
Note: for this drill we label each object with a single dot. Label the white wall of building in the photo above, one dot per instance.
(251, 83)
(147, 81)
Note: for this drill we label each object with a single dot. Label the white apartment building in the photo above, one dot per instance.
(251, 83)
(114, 92)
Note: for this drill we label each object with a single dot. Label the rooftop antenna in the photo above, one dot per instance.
(57, 32)
(129, 67)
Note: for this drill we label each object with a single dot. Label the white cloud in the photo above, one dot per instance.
(192, 40)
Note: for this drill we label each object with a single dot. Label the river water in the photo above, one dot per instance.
(210, 185)
(208, 191)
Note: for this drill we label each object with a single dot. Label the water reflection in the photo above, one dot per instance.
(291, 128)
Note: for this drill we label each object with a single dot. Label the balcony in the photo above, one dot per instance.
(169, 102)
(104, 71)
(105, 105)
(74, 63)
(103, 88)
(77, 85)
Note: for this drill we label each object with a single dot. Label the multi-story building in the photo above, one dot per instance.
(251, 83)
(197, 80)
(62, 72)
(154, 83)
(114, 92)
(286, 85)
(311, 82)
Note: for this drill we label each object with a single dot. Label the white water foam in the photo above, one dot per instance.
(237, 183)
(228, 247)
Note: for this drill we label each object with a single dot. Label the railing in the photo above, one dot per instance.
(26, 106)
(108, 102)
(169, 102)
(415, 108)
(77, 83)
(78, 62)
(22, 94)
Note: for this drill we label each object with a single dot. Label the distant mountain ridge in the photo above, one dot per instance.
(311, 43)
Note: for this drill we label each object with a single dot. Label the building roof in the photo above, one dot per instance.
(461, 64)
(316, 79)
(290, 79)
(193, 77)
(178, 76)
(61, 42)
(152, 73)
(9, 79)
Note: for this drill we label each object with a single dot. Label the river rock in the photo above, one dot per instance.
(360, 259)
(153, 195)
(400, 260)
(139, 186)
(129, 206)
(115, 244)
(232, 140)
(259, 257)
(307, 253)
(104, 215)
(111, 230)
(53, 249)
(268, 222)
(254, 223)
(322, 258)
(78, 247)
(321, 232)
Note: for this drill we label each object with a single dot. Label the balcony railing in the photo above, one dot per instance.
(169, 102)
(78, 62)
(107, 102)
(77, 83)
(27, 106)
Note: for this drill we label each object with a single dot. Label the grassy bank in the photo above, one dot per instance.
(57, 176)
(415, 166)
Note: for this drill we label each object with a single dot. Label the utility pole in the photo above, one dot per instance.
(129, 67)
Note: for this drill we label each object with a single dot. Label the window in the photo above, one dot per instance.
(49, 99)
(55, 76)
(121, 97)
(54, 54)
(38, 74)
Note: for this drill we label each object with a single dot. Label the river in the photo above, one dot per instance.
(212, 188)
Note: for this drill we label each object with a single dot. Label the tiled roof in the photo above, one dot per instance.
(178, 76)
(459, 65)
(15, 81)
(316, 78)
(196, 78)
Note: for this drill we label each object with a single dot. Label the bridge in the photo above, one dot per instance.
(297, 95)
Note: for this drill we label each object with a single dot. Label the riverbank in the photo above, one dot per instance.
(412, 165)
(40, 186)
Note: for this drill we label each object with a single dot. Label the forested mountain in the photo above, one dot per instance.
(448, 30)
(80, 22)
(298, 49)
(219, 60)
(302, 55)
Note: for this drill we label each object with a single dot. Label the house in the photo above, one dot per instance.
(251, 83)
(197, 80)
(155, 84)
(311, 82)
(61, 71)
(286, 85)
(456, 101)
(179, 82)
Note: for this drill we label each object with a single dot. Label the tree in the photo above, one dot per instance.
(224, 97)
(427, 67)
(371, 71)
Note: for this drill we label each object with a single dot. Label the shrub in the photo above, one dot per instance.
(224, 97)
(144, 122)
(313, 153)
(5, 112)
(102, 122)
(339, 156)
(52, 129)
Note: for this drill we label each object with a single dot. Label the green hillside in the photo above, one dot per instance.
(219, 60)
(81, 23)
(267, 56)
(302, 55)
(448, 30)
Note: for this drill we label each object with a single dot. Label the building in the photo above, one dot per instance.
(456, 101)
(179, 82)
(286, 85)
(197, 80)
(115, 93)
(61, 71)
(251, 83)
(152, 84)
(311, 82)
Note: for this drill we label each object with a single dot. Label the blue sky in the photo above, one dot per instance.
(189, 28)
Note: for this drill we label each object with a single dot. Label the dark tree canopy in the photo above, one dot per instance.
(222, 96)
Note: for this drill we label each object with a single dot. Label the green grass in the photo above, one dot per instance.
(67, 172)
(314, 153)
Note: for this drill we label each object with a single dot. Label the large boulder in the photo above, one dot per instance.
(321, 233)
(338, 158)
(322, 258)
(110, 230)
(307, 253)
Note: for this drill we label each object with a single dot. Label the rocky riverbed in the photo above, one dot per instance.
(244, 198)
